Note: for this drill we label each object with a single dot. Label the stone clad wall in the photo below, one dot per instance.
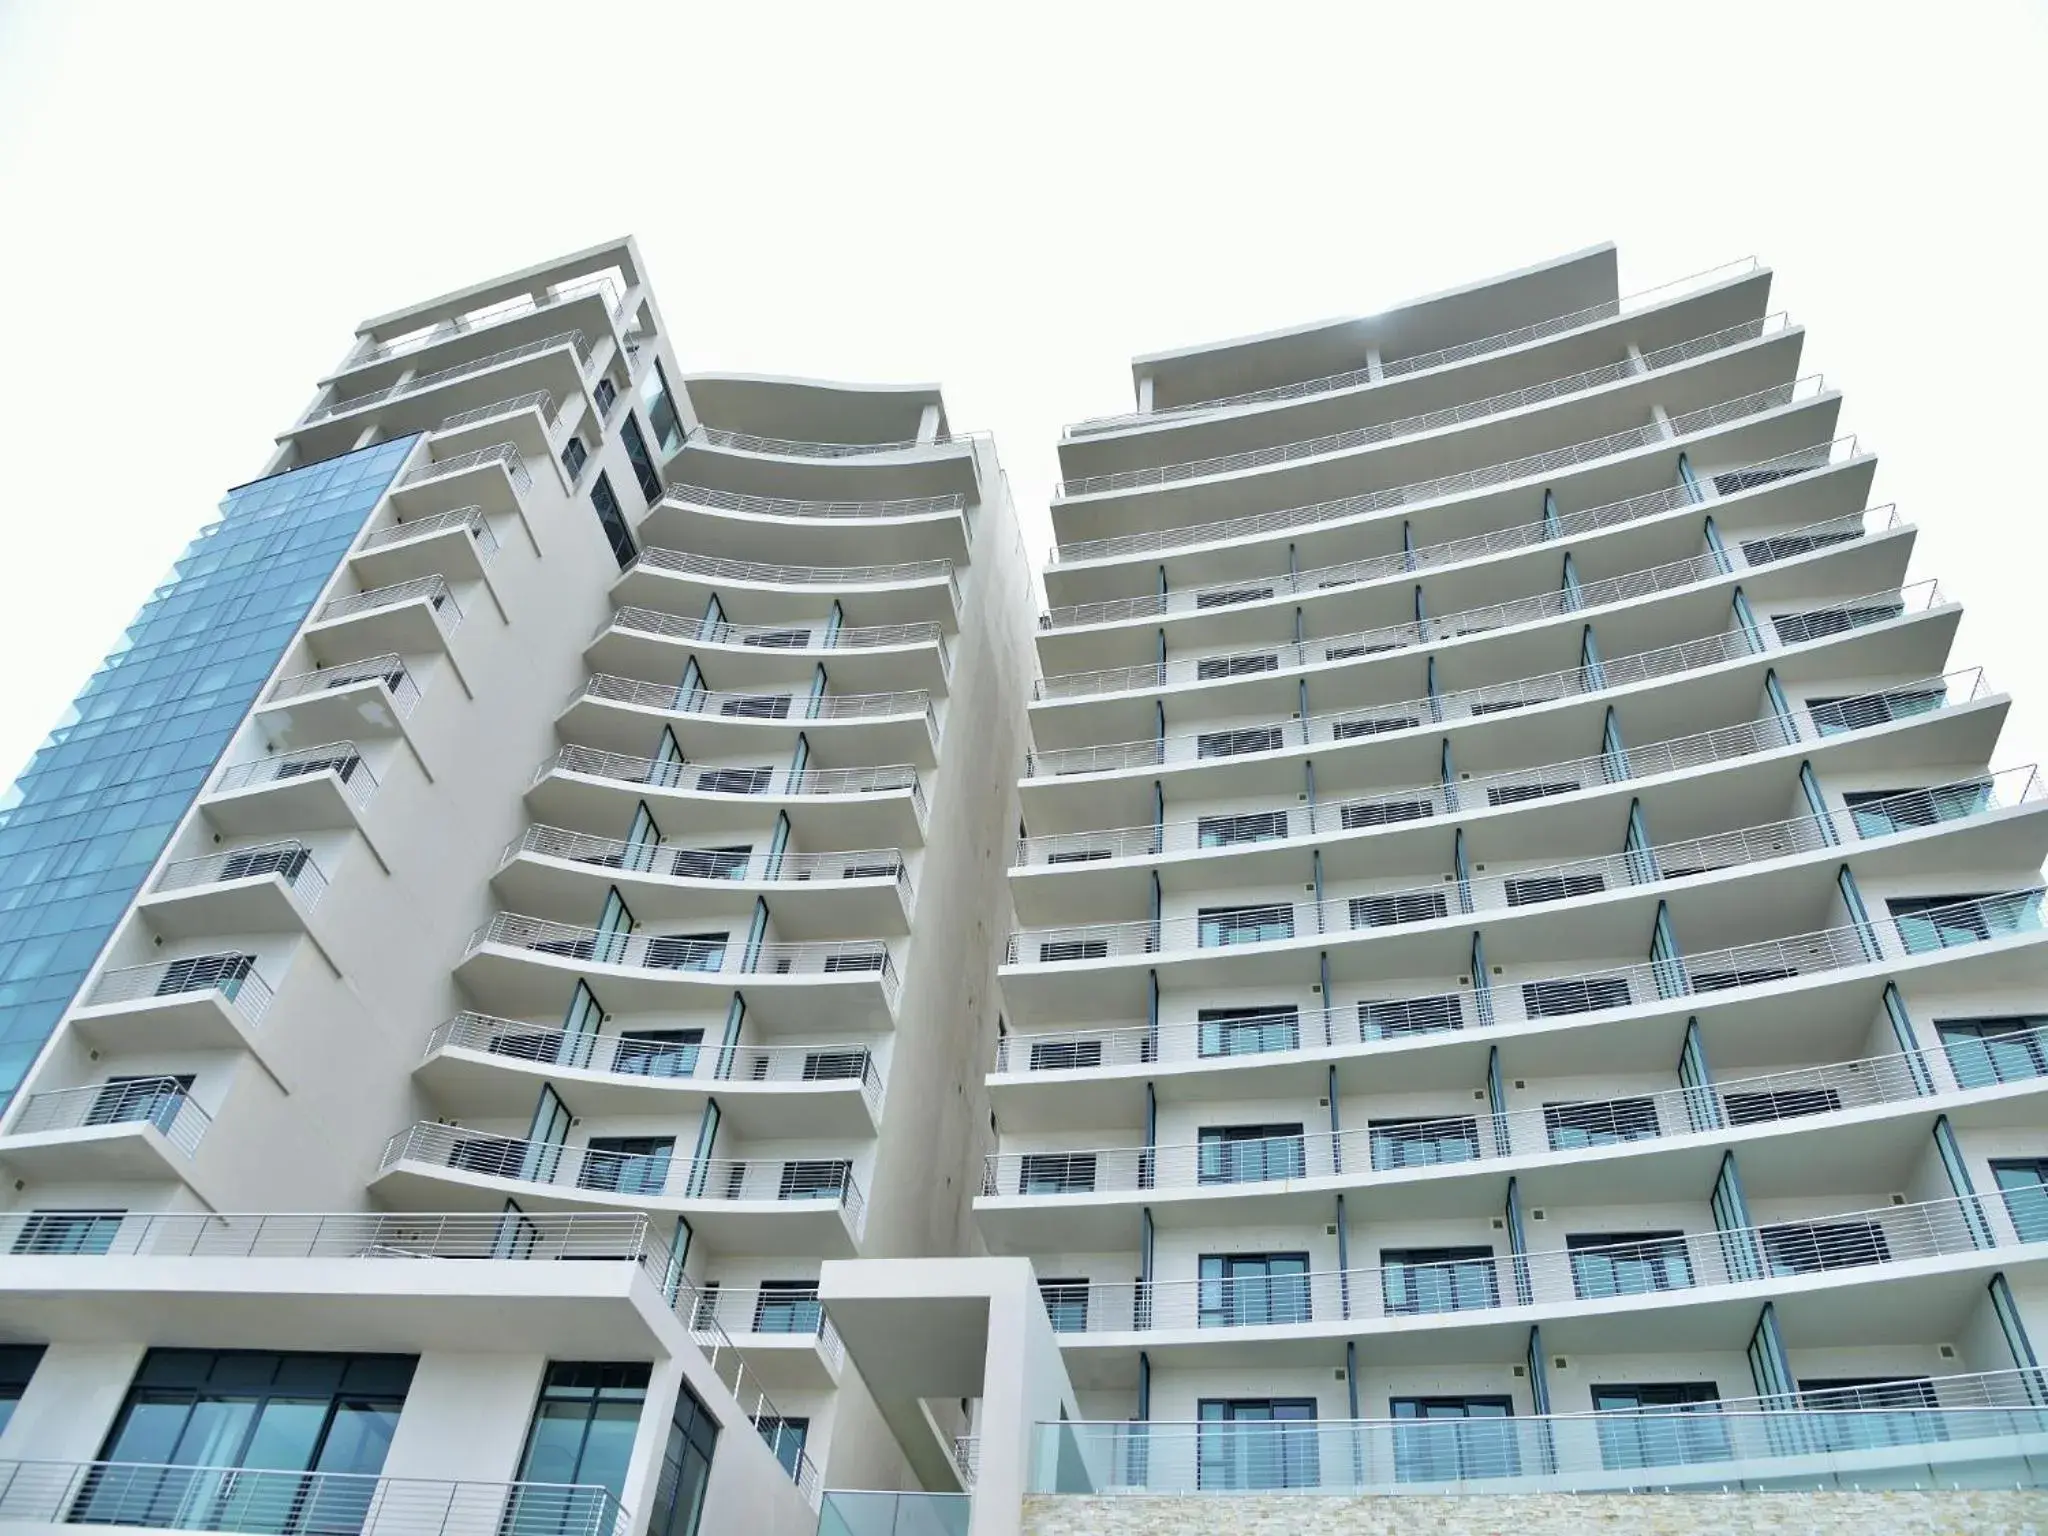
(1903, 1513)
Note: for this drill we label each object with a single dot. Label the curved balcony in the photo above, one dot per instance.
(750, 463)
(129, 1128)
(1443, 487)
(1550, 602)
(201, 1002)
(478, 1064)
(519, 966)
(867, 727)
(905, 592)
(810, 1206)
(1371, 434)
(268, 888)
(731, 523)
(459, 541)
(1433, 711)
(878, 806)
(1421, 362)
(863, 656)
(858, 890)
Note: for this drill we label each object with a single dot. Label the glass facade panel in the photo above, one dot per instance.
(96, 804)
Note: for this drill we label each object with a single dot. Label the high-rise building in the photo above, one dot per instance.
(546, 817)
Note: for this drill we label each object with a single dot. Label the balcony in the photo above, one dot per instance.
(620, 713)
(127, 1129)
(864, 657)
(530, 422)
(201, 1002)
(813, 894)
(780, 1206)
(788, 1339)
(524, 965)
(600, 288)
(459, 541)
(554, 363)
(415, 617)
(907, 592)
(494, 479)
(268, 888)
(480, 1065)
(912, 468)
(377, 694)
(311, 788)
(722, 523)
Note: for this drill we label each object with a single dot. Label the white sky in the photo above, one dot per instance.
(198, 201)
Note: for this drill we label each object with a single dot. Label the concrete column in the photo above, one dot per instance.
(1373, 368)
(1661, 419)
(1635, 359)
(928, 425)
(70, 1402)
(1145, 394)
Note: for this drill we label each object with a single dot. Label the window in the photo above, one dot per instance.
(1079, 856)
(1859, 1413)
(1410, 1016)
(1258, 738)
(1502, 706)
(711, 863)
(1224, 597)
(205, 973)
(2000, 1050)
(1879, 812)
(1661, 1425)
(342, 764)
(17, 1366)
(1787, 546)
(1056, 1173)
(1748, 976)
(1351, 652)
(574, 457)
(814, 1179)
(1795, 628)
(1758, 1105)
(1249, 1290)
(734, 781)
(1834, 716)
(605, 392)
(1599, 1123)
(1388, 911)
(1248, 1031)
(1066, 1303)
(685, 1468)
(1451, 1439)
(778, 640)
(2024, 1183)
(641, 460)
(1248, 1443)
(1213, 668)
(1250, 1154)
(1351, 730)
(657, 1052)
(582, 1432)
(786, 1439)
(1065, 951)
(1528, 890)
(627, 1165)
(151, 1100)
(1628, 1263)
(788, 1306)
(1814, 1247)
(1728, 482)
(605, 502)
(68, 1232)
(1940, 922)
(1224, 926)
(686, 952)
(1515, 794)
(1065, 1055)
(1575, 994)
(1382, 813)
(1417, 1143)
(1252, 827)
(756, 706)
(661, 409)
(250, 862)
(1419, 1280)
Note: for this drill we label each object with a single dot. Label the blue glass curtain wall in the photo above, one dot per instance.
(96, 804)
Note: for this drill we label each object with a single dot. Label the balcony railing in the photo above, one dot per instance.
(623, 768)
(256, 1501)
(1943, 1433)
(751, 1310)
(234, 977)
(431, 590)
(1550, 603)
(1405, 562)
(789, 1181)
(778, 637)
(641, 1059)
(508, 309)
(681, 861)
(340, 758)
(539, 399)
(507, 454)
(1672, 1267)
(471, 518)
(1551, 460)
(412, 386)
(683, 493)
(1430, 421)
(1842, 616)
(153, 1101)
(1480, 1139)
(1511, 787)
(1529, 888)
(901, 574)
(755, 706)
(666, 955)
(796, 448)
(1392, 368)
(290, 860)
(390, 670)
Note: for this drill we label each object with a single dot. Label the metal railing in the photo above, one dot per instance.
(757, 1313)
(290, 860)
(778, 637)
(670, 955)
(471, 518)
(1551, 602)
(1945, 1433)
(786, 1181)
(1510, 788)
(751, 707)
(1258, 523)
(431, 590)
(258, 1501)
(233, 976)
(507, 454)
(341, 758)
(900, 574)
(1669, 1268)
(1406, 562)
(682, 861)
(641, 1059)
(1438, 709)
(539, 399)
(388, 669)
(1625, 369)
(701, 778)
(1438, 357)
(1476, 1140)
(160, 1102)
(684, 493)
(797, 448)
(412, 386)
(506, 309)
